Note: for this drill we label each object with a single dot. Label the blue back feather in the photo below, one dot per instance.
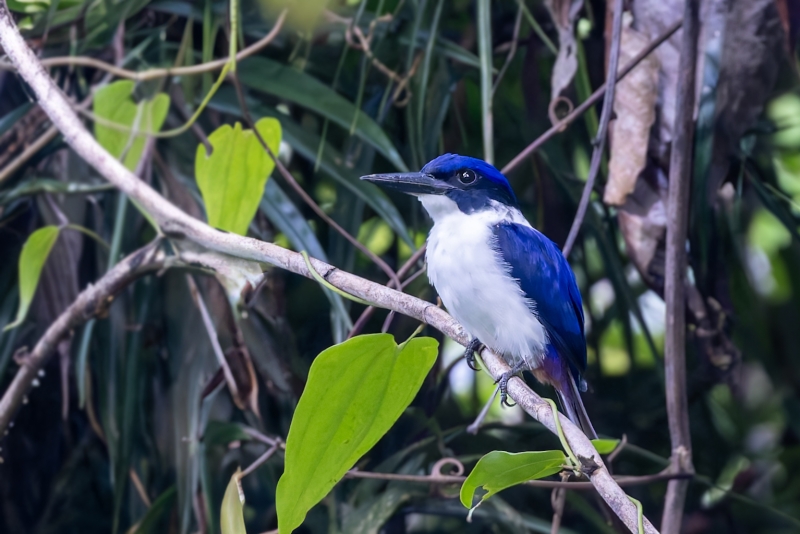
(546, 278)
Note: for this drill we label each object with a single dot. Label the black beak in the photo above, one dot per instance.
(412, 183)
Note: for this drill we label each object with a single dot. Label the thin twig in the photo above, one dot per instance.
(302, 192)
(680, 173)
(186, 232)
(558, 499)
(153, 74)
(623, 481)
(589, 102)
(475, 426)
(511, 51)
(260, 460)
(602, 130)
(368, 311)
(212, 336)
(28, 153)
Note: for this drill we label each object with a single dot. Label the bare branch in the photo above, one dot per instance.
(589, 102)
(602, 129)
(180, 226)
(680, 172)
(93, 301)
(154, 74)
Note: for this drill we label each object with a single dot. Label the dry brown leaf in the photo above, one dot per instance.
(635, 108)
(564, 14)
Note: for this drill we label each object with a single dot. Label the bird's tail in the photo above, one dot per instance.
(571, 402)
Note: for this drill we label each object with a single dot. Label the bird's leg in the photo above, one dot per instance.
(503, 382)
(469, 354)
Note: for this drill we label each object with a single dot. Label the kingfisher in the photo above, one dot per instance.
(506, 283)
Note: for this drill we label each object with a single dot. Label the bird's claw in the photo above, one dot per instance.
(502, 382)
(469, 354)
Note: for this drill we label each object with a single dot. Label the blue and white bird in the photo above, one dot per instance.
(505, 282)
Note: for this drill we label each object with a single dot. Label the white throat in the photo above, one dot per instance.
(475, 283)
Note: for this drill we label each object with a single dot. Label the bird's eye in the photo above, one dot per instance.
(467, 176)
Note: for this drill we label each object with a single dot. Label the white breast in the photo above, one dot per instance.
(474, 283)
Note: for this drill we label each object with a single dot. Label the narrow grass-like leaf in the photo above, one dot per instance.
(232, 178)
(231, 516)
(113, 102)
(31, 261)
(485, 53)
(605, 446)
(499, 470)
(285, 82)
(153, 520)
(355, 392)
(280, 209)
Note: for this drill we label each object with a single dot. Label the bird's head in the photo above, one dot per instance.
(470, 183)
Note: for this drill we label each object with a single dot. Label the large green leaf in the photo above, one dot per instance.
(499, 470)
(113, 103)
(31, 261)
(285, 82)
(231, 515)
(232, 178)
(355, 392)
(306, 144)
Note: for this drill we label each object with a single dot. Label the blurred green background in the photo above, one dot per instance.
(126, 431)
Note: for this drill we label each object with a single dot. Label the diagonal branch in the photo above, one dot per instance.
(602, 130)
(589, 102)
(186, 230)
(93, 301)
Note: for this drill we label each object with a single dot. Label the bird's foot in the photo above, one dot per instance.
(503, 383)
(469, 354)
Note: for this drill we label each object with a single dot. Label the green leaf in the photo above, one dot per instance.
(154, 518)
(605, 446)
(355, 392)
(290, 84)
(232, 178)
(306, 144)
(499, 470)
(231, 516)
(113, 103)
(28, 6)
(31, 261)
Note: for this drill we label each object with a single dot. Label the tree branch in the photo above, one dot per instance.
(180, 226)
(680, 172)
(602, 129)
(589, 102)
(92, 301)
(154, 74)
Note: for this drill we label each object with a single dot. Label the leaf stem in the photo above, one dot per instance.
(576, 464)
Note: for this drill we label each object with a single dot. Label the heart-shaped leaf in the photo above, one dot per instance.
(114, 103)
(232, 178)
(499, 470)
(355, 392)
(31, 261)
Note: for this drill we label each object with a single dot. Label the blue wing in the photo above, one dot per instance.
(547, 279)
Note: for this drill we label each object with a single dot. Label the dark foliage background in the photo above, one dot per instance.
(122, 425)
